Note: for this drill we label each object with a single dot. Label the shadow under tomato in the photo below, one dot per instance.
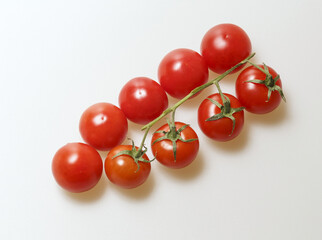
(137, 193)
(103, 155)
(91, 195)
(276, 116)
(188, 173)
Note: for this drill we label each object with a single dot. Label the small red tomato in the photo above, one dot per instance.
(182, 70)
(186, 152)
(103, 126)
(142, 100)
(77, 167)
(225, 45)
(123, 170)
(254, 96)
(223, 128)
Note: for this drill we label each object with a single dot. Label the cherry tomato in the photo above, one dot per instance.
(225, 45)
(186, 152)
(123, 170)
(221, 129)
(103, 126)
(254, 96)
(182, 70)
(142, 100)
(77, 167)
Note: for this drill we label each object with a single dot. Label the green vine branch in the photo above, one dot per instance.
(195, 91)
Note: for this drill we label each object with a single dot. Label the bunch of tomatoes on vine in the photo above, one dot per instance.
(182, 73)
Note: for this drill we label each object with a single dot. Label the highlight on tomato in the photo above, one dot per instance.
(175, 145)
(259, 89)
(127, 166)
(103, 126)
(182, 70)
(225, 45)
(221, 120)
(77, 167)
(142, 100)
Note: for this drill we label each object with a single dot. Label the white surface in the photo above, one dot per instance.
(59, 57)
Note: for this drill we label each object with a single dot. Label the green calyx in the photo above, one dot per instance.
(226, 111)
(269, 82)
(136, 154)
(173, 135)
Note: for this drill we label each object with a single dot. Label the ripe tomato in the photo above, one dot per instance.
(123, 170)
(221, 129)
(182, 70)
(225, 45)
(186, 152)
(77, 167)
(142, 100)
(254, 96)
(103, 126)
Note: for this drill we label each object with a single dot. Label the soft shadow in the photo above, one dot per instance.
(133, 128)
(91, 195)
(188, 173)
(140, 192)
(103, 155)
(278, 115)
(235, 145)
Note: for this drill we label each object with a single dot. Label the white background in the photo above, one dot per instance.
(59, 57)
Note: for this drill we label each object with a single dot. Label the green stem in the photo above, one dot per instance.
(194, 91)
(258, 67)
(269, 81)
(224, 100)
(142, 142)
(173, 116)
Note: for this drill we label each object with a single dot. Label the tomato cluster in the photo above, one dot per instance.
(182, 73)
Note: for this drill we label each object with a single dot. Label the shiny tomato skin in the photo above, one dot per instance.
(103, 126)
(123, 171)
(77, 167)
(182, 70)
(186, 151)
(253, 96)
(225, 45)
(142, 100)
(219, 130)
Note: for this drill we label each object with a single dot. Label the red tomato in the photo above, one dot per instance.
(77, 167)
(221, 129)
(225, 45)
(142, 100)
(186, 152)
(123, 170)
(254, 96)
(182, 70)
(103, 126)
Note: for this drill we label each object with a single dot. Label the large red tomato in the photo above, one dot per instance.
(182, 70)
(142, 100)
(254, 96)
(221, 129)
(103, 126)
(77, 167)
(225, 45)
(186, 152)
(123, 170)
